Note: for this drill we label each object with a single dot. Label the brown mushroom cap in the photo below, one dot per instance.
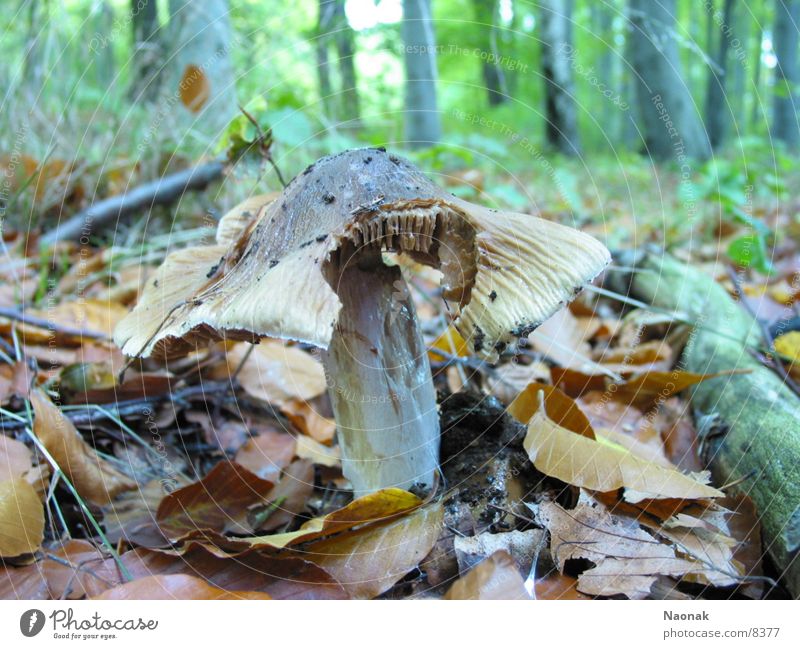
(503, 273)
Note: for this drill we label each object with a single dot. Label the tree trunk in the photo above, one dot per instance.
(671, 125)
(201, 42)
(602, 28)
(560, 111)
(104, 65)
(345, 48)
(785, 126)
(423, 125)
(717, 112)
(147, 51)
(324, 23)
(494, 77)
(757, 445)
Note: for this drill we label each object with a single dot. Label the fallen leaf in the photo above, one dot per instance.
(194, 88)
(367, 562)
(653, 388)
(21, 519)
(310, 449)
(451, 343)
(496, 577)
(217, 502)
(24, 582)
(267, 454)
(77, 569)
(132, 516)
(174, 587)
(558, 406)
(557, 586)
(603, 466)
(93, 477)
(510, 379)
(85, 314)
(523, 546)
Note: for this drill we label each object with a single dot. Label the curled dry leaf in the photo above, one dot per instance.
(219, 501)
(16, 461)
(627, 559)
(652, 388)
(21, 518)
(310, 449)
(194, 88)
(94, 478)
(601, 465)
(175, 587)
(367, 562)
(496, 577)
(559, 408)
(372, 508)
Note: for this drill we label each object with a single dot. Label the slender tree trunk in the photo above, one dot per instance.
(602, 27)
(562, 116)
(785, 126)
(104, 64)
(741, 35)
(717, 112)
(672, 127)
(147, 51)
(324, 26)
(201, 41)
(494, 77)
(345, 48)
(423, 125)
(756, 108)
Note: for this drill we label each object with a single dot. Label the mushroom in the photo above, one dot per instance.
(309, 266)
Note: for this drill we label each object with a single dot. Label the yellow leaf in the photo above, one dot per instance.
(788, 345)
(21, 518)
(560, 408)
(450, 342)
(93, 477)
(584, 462)
(194, 88)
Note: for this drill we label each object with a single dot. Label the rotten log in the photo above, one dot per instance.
(162, 191)
(758, 440)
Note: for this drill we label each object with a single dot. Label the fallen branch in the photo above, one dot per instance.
(158, 192)
(760, 441)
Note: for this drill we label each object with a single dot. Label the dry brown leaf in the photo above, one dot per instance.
(557, 586)
(308, 421)
(194, 88)
(653, 388)
(287, 499)
(576, 384)
(496, 577)
(16, 459)
(559, 408)
(132, 516)
(310, 449)
(21, 519)
(373, 508)
(174, 587)
(86, 314)
(267, 454)
(94, 478)
(367, 562)
(602, 466)
(87, 572)
(217, 502)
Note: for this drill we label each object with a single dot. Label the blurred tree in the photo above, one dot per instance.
(202, 75)
(422, 120)
(785, 126)
(493, 74)
(104, 63)
(671, 124)
(561, 128)
(147, 50)
(717, 112)
(333, 29)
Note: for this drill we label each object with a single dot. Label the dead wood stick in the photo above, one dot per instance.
(759, 445)
(158, 192)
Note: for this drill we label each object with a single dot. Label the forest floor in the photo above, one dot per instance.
(218, 475)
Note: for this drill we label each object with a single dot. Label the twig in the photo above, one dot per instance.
(265, 148)
(19, 316)
(163, 191)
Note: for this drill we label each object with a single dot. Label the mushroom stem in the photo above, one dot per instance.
(379, 380)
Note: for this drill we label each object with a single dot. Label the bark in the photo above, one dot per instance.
(147, 50)
(494, 77)
(755, 115)
(785, 126)
(380, 384)
(560, 110)
(717, 110)
(201, 36)
(423, 124)
(759, 437)
(670, 122)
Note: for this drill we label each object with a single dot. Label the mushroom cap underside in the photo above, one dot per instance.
(503, 273)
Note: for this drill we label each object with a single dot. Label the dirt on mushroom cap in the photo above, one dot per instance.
(503, 273)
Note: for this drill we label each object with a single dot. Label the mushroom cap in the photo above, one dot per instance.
(273, 270)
